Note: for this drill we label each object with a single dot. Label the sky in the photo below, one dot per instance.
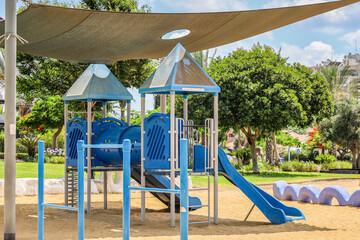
(328, 36)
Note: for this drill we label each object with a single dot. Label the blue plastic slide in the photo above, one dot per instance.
(274, 210)
(160, 181)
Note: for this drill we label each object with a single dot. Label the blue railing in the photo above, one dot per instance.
(183, 191)
(80, 163)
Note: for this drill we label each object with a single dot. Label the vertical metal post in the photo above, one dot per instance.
(10, 121)
(126, 191)
(163, 103)
(185, 116)
(66, 119)
(172, 157)
(128, 112)
(289, 156)
(216, 167)
(40, 190)
(184, 190)
(142, 158)
(89, 137)
(105, 172)
(80, 164)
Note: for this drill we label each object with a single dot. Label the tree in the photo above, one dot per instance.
(262, 94)
(344, 127)
(46, 114)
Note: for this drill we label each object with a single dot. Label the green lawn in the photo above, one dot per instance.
(29, 170)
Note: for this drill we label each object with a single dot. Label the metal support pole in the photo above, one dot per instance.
(66, 119)
(184, 190)
(289, 156)
(172, 157)
(126, 191)
(185, 115)
(105, 172)
(142, 158)
(251, 209)
(81, 207)
(128, 113)
(10, 121)
(89, 137)
(216, 166)
(40, 190)
(163, 103)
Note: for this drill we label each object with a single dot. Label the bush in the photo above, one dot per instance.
(336, 164)
(325, 159)
(298, 166)
(20, 156)
(20, 148)
(55, 160)
(30, 159)
(2, 141)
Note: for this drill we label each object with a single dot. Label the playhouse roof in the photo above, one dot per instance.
(105, 37)
(97, 83)
(179, 72)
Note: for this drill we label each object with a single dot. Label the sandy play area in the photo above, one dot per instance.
(323, 222)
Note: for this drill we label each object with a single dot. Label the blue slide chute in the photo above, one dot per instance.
(274, 210)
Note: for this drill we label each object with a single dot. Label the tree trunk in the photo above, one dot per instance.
(355, 157)
(269, 151)
(254, 157)
(277, 156)
(239, 147)
(333, 149)
(357, 162)
(122, 107)
(55, 137)
(31, 151)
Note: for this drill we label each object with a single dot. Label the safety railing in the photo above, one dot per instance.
(80, 168)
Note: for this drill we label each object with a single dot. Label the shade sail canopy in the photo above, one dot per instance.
(179, 72)
(105, 37)
(97, 83)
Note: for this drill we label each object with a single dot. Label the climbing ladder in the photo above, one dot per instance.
(72, 186)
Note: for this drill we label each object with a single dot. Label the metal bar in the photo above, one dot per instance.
(59, 206)
(126, 191)
(142, 157)
(216, 167)
(172, 157)
(103, 146)
(40, 190)
(185, 114)
(194, 206)
(89, 138)
(184, 190)
(155, 189)
(198, 222)
(81, 178)
(105, 172)
(252, 208)
(163, 103)
(198, 189)
(66, 119)
(10, 121)
(209, 199)
(128, 112)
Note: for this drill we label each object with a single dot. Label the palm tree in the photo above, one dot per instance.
(339, 80)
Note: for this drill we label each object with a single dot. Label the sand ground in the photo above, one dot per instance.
(322, 222)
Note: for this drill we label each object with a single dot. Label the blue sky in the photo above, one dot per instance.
(330, 35)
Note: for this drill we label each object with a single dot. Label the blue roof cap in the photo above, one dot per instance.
(97, 83)
(179, 72)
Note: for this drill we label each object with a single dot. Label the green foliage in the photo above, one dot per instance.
(31, 143)
(32, 159)
(136, 117)
(55, 160)
(325, 159)
(298, 166)
(2, 141)
(243, 156)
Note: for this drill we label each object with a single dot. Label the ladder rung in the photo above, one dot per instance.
(199, 222)
(198, 189)
(198, 206)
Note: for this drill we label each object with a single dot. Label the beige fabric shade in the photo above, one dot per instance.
(104, 37)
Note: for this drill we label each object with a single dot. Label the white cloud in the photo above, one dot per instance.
(179, 34)
(352, 37)
(310, 55)
(203, 6)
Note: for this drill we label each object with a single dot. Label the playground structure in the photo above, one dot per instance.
(155, 144)
(313, 194)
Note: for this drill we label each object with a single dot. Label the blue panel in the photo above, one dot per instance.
(105, 131)
(76, 129)
(157, 141)
(199, 158)
(134, 134)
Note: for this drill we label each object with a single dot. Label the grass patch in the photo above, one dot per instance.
(30, 170)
